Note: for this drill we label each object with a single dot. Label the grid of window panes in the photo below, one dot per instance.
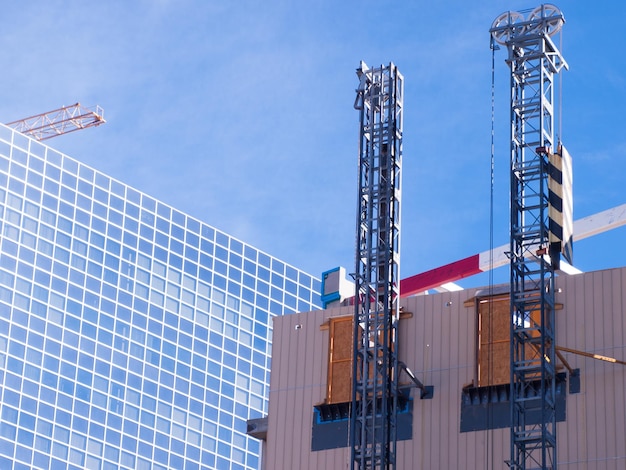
(132, 336)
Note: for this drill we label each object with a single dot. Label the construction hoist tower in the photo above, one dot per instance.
(535, 247)
(375, 365)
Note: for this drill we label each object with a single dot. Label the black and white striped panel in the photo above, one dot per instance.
(561, 213)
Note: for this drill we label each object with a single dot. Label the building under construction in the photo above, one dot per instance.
(134, 336)
(527, 375)
(457, 342)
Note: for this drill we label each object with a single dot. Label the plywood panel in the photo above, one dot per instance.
(494, 341)
(340, 360)
(497, 370)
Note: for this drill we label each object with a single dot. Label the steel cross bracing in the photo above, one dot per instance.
(375, 366)
(534, 61)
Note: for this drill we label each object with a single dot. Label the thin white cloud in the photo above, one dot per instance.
(240, 113)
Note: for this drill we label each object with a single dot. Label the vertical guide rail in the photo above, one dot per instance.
(534, 60)
(375, 366)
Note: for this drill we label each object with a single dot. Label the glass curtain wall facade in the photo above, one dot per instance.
(132, 336)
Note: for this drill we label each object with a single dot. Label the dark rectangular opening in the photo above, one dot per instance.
(331, 424)
(489, 407)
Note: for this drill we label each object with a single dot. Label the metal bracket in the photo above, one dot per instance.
(426, 391)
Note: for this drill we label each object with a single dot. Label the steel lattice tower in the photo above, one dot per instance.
(375, 366)
(534, 60)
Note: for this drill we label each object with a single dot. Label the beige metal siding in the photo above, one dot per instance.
(592, 320)
(297, 383)
(441, 342)
(438, 342)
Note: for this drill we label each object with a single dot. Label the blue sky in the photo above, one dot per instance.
(240, 113)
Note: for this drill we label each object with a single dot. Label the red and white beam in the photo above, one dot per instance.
(483, 262)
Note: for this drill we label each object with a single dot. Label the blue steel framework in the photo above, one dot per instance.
(132, 336)
(375, 366)
(534, 61)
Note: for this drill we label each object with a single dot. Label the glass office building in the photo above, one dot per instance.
(132, 336)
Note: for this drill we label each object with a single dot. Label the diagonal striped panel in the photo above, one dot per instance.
(560, 209)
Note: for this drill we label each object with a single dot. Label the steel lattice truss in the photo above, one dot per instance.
(534, 61)
(59, 121)
(375, 373)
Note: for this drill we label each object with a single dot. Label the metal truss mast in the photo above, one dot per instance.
(375, 366)
(534, 61)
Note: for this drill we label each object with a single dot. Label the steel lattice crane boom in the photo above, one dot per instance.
(59, 121)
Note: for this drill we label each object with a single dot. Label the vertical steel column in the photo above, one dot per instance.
(534, 60)
(375, 366)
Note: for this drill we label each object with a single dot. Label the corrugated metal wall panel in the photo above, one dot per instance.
(570, 332)
(619, 331)
(297, 383)
(592, 321)
(608, 377)
(439, 344)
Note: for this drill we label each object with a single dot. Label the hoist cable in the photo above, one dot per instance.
(559, 117)
(489, 445)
